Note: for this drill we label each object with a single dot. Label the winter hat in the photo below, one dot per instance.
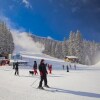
(41, 61)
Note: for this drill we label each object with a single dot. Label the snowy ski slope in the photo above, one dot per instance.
(80, 84)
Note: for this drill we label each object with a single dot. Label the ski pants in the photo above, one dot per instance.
(43, 77)
(16, 72)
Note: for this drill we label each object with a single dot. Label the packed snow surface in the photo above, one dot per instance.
(80, 84)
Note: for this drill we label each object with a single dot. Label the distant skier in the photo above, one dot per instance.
(75, 66)
(35, 68)
(63, 67)
(48, 66)
(43, 74)
(16, 68)
(67, 68)
(70, 66)
(13, 65)
(50, 69)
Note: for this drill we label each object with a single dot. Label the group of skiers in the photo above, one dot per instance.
(42, 69)
(35, 68)
(67, 67)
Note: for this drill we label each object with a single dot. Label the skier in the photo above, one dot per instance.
(70, 66)
(67, 68)
(48, 66)
(16, 68)
(43, 74)
(75, 66)
(35, 68)
(13, 65)
(50, 69)
(63, 67)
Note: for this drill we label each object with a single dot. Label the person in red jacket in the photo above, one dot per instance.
(50, 69)
(35, 68)
(43, 74)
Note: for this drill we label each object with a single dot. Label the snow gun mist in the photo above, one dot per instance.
(24, 43)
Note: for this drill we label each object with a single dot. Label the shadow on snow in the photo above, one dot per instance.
(87, 94)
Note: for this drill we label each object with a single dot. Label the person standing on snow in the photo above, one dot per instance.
(50, 69)
(35, 68)
(63, 67)
(16, 68)
(43, 74)
(75, 66)
(13, 65)
(67, 68)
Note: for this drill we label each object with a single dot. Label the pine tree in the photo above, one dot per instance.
(64, 48)
(6, 40)
(53, 49)
(71, 50)
(58, 50)
(85, 50)
(79, 46)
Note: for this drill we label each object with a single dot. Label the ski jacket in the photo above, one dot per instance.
(35, 66)
(42, 69)
(16, 66)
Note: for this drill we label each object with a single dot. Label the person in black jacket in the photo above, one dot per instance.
(43, 74)
(67, 68)
(16, 68)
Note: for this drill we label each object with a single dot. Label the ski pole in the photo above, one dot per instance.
(34, 82)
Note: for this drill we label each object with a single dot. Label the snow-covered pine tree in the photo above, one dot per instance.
(64, 47)
(53, 48)
(58, 50)
(96, 57)
(71, 50)
(79, 46)
(6, 40)
(85, 52)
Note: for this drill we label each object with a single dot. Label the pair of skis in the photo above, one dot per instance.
(50, 89)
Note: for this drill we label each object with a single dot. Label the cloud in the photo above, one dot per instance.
(26, 3)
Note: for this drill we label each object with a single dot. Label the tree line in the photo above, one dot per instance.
(75, 45)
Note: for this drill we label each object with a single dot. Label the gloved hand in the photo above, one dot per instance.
(41, 73)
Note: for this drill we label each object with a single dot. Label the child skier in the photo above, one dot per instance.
(50, 69)
(35, 68)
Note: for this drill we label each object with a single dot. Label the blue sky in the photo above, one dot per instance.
(54, 18)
